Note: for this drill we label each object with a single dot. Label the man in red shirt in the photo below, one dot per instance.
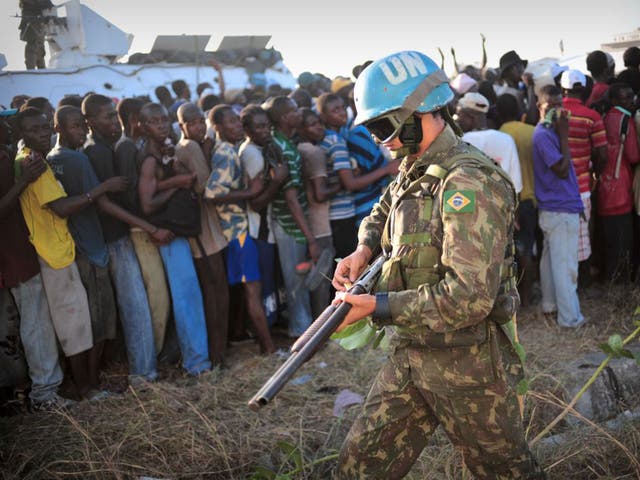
(601, 66)
(615, 196)
(587, 142)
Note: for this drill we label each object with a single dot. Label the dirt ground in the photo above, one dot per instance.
(201, 428)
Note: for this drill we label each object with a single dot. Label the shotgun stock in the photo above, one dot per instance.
(315, 336)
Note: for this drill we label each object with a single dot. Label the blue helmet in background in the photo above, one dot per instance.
(398, 85)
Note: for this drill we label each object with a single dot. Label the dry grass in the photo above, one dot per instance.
(201, 428)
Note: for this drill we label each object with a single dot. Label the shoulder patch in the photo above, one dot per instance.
(459, 201)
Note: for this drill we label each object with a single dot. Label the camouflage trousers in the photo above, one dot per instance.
(34, 51)
(470, 391)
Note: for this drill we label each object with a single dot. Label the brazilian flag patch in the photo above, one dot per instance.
(459, 201)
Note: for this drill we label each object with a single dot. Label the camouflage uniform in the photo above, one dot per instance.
(447, 221)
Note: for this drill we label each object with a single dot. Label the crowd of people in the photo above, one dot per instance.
(139, 213)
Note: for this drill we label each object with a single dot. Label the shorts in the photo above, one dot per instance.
(525, 237)
(584, 238)
(242, 260)
(68, 306)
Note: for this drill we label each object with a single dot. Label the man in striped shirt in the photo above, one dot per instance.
(290, 227)
(342, 169)
(342, 208)
(587, 141)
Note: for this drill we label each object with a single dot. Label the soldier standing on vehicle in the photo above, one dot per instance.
(32, 31)
(448, 288)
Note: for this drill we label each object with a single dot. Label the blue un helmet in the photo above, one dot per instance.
(391, 89)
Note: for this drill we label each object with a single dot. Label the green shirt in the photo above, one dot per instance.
(280, 209)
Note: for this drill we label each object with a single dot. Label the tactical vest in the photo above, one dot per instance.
(413, 237)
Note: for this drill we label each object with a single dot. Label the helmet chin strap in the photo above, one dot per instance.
(401, 153)
(410, 135)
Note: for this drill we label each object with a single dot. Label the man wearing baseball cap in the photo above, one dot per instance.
(587, 141)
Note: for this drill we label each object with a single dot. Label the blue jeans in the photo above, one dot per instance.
(559, 266)
(188, 308)
(133, 307)
(298, 305)
(38, 339)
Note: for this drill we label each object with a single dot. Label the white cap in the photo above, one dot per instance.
(570, 78)
(474, 101)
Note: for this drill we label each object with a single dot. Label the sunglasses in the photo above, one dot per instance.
(385, 128)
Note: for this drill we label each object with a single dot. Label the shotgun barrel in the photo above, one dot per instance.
(315, 336)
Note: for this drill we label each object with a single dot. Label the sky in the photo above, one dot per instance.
(332, 36)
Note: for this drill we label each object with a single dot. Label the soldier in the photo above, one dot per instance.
(447, 289)
(32, 31)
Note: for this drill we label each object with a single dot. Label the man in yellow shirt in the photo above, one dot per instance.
(527, 216)
(45, 207)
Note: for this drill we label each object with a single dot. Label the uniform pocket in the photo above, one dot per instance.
(415, 277)
(411, 219)
(420, 265)
(465, 367)
(391, 277)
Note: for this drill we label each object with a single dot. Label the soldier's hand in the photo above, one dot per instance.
(350, 268)
(361, 306)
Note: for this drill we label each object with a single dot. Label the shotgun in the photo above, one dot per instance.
(315, 336)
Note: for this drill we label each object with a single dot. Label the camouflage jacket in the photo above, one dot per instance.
(447, 221)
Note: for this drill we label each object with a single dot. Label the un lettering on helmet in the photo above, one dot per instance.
(407, 64)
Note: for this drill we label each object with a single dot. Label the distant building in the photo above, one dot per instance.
(622, 41)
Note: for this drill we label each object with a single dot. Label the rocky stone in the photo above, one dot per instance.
(615, 390)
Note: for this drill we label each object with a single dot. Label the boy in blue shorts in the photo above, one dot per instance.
(226, 189)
